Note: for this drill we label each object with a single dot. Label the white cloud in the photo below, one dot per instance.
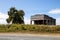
(3, 15)
(58, 21)
(27, 21)
(54, 11)
(3, 18)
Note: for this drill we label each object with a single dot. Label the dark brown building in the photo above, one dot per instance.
(43, 19)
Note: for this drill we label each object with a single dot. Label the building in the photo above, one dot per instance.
(43, 19)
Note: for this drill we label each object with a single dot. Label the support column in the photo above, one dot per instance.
(46, 22)
(43, 22)
(31, 22)
(54, 22)
(49, 22)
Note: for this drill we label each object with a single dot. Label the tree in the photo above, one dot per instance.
(15, 16)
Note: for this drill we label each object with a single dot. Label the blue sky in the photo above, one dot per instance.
(31, 7)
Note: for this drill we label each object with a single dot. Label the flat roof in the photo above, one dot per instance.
(37, 16)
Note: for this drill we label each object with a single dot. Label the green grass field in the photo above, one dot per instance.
(30, 28)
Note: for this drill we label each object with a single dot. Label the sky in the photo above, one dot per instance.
(31, 7)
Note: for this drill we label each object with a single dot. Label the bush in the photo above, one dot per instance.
(29, 28)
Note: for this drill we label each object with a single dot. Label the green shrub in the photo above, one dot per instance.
(29, 28)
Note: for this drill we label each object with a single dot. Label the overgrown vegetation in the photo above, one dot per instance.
(30, 28)
(15, 16)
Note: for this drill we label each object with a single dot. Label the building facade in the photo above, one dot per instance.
(43, 19)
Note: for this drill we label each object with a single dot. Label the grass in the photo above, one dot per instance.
(30, 28)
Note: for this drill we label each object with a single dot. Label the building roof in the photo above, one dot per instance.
(41, 17)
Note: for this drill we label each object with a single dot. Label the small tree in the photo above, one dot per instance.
(15, 16)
